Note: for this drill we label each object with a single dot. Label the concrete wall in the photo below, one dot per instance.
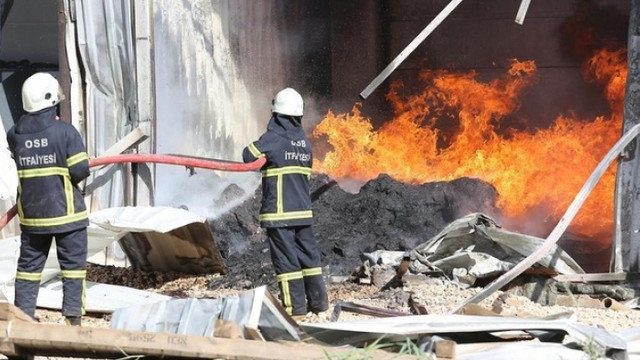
(358, 53)
(482, 35)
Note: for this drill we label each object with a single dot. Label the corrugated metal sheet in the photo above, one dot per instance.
(478, 246)
(467, 329)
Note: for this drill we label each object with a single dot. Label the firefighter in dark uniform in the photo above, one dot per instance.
(51, 160)
(286, 206)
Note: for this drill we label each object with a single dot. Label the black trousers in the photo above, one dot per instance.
(72, 256)
(296, 259)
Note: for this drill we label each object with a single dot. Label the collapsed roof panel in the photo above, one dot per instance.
(163, 239)
(476, 244)
(357, 333)
(256, 311)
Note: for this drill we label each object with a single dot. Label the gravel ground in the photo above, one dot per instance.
(435, 295)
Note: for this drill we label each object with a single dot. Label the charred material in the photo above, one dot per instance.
(384, 215)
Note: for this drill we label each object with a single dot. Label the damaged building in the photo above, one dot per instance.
(485, 144)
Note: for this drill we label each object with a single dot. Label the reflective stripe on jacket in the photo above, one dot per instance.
(285, 175)
(51, 161)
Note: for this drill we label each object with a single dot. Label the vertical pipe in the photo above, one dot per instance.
(625, 255)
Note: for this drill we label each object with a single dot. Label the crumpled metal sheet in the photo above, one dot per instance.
(475, 247)
(632, 336)
(459, 328)
(522, 351)
(163, 239)
(254, 309)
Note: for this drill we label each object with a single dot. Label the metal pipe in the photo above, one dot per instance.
(522, 11)
(409, 49)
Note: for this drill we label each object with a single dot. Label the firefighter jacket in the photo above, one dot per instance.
(285, 175)
(51, 160)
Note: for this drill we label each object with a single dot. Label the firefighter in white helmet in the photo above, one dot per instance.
(51, 160)
(286, 206)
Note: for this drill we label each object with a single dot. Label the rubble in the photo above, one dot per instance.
(390, 234)
(384, 215)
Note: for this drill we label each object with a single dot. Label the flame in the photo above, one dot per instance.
(456, 128)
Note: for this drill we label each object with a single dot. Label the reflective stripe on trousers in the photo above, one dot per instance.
(72, 255)
(296, 260)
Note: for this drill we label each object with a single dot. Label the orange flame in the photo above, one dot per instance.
(454, 129)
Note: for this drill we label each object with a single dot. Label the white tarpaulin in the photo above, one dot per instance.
(8, 185)
(10, 250)
(100, 298)
(169, 226)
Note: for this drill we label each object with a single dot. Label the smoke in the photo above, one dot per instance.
(218, 65)
(203, 107)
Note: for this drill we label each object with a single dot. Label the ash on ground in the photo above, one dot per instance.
(383, 215)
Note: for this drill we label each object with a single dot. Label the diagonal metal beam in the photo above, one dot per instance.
(554, 236)
(522, 12)
(409, 49)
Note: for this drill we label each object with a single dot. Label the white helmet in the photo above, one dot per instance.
(287, 102)
(40, 91)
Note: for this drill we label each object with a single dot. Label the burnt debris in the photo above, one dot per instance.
(384, 215)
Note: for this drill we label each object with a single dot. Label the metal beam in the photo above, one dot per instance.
(522, 12)
(554, 236)
(64, 78)
(625, 254)
(75, 90)
(409, 49)
(144, 174)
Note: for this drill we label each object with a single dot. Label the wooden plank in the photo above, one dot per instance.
(445, 349)
(75, 341)
(10, 312)
(10, 348)
(129, 141)
(132, 139)
(562, 225)
(595, 277)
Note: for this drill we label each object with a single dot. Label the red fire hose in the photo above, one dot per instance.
(193, 162)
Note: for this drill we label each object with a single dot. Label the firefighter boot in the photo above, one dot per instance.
(73, 320)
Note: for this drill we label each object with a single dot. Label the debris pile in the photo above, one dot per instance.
(383, 215)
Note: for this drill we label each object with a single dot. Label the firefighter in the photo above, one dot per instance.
(286, 206)
(51, 160)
